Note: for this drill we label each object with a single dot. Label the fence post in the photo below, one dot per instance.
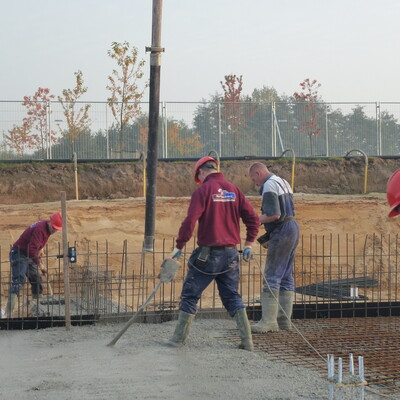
(219, 130)
(273, 136)
(326, 131)
(378, 129)
(107, 138)
(48, 114)
(165, 125)
(75, 160)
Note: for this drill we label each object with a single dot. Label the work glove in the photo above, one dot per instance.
(176, 254)
(247, 253)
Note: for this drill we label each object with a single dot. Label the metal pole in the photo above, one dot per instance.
(66, 261)
(154, 110)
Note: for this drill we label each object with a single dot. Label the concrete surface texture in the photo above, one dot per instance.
(77, 364)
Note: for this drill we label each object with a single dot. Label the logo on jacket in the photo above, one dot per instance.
(224, 195)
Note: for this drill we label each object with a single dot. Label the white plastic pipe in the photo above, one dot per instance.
(331, 366)
(351, 364)
(340, 370)
(361, 368)
(331, 391)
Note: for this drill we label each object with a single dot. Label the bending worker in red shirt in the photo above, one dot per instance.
(25, 258)
(218, 206)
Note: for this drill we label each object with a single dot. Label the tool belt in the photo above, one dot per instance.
(204, 253)
(222, 247)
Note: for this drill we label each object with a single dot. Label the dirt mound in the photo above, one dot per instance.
(38, 182)
(118, 220)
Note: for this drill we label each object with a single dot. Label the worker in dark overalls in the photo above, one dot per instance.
(277, 215)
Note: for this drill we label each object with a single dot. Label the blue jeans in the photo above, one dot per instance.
(280, 257)
(223, 267)
(22, 267)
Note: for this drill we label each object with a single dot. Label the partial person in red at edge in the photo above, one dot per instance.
(25, 259)
(218, 206)
(393, 193)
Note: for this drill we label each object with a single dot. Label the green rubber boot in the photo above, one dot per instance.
(268, 321)
(244, 330)
(286, 298)
(12, 301)
(182, 329)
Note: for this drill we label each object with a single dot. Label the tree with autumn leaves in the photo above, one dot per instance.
(235, 112)
(19, 138)
(77, 118)
(308, 99)
(232, 114)
(180, 138)
(126, 95)
(34, 133)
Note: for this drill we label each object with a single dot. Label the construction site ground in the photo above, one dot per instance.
(77, 364)
(56, 363)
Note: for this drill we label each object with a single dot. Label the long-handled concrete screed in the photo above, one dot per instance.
(168, 269)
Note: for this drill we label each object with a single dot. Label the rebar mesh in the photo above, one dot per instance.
(375, 339)
(343, 275)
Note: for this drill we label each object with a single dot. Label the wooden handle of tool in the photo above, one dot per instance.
(132, 319)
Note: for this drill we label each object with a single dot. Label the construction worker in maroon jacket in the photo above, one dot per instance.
(26, 261)
(218, 206)
(393, 193)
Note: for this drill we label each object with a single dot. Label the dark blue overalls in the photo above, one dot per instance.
(284, 234)
(223, 266)
(23, 267)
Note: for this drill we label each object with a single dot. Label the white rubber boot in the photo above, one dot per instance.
(286, 298)
(181, 330)
(268, 321)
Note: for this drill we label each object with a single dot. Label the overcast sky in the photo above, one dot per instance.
(350, 46)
